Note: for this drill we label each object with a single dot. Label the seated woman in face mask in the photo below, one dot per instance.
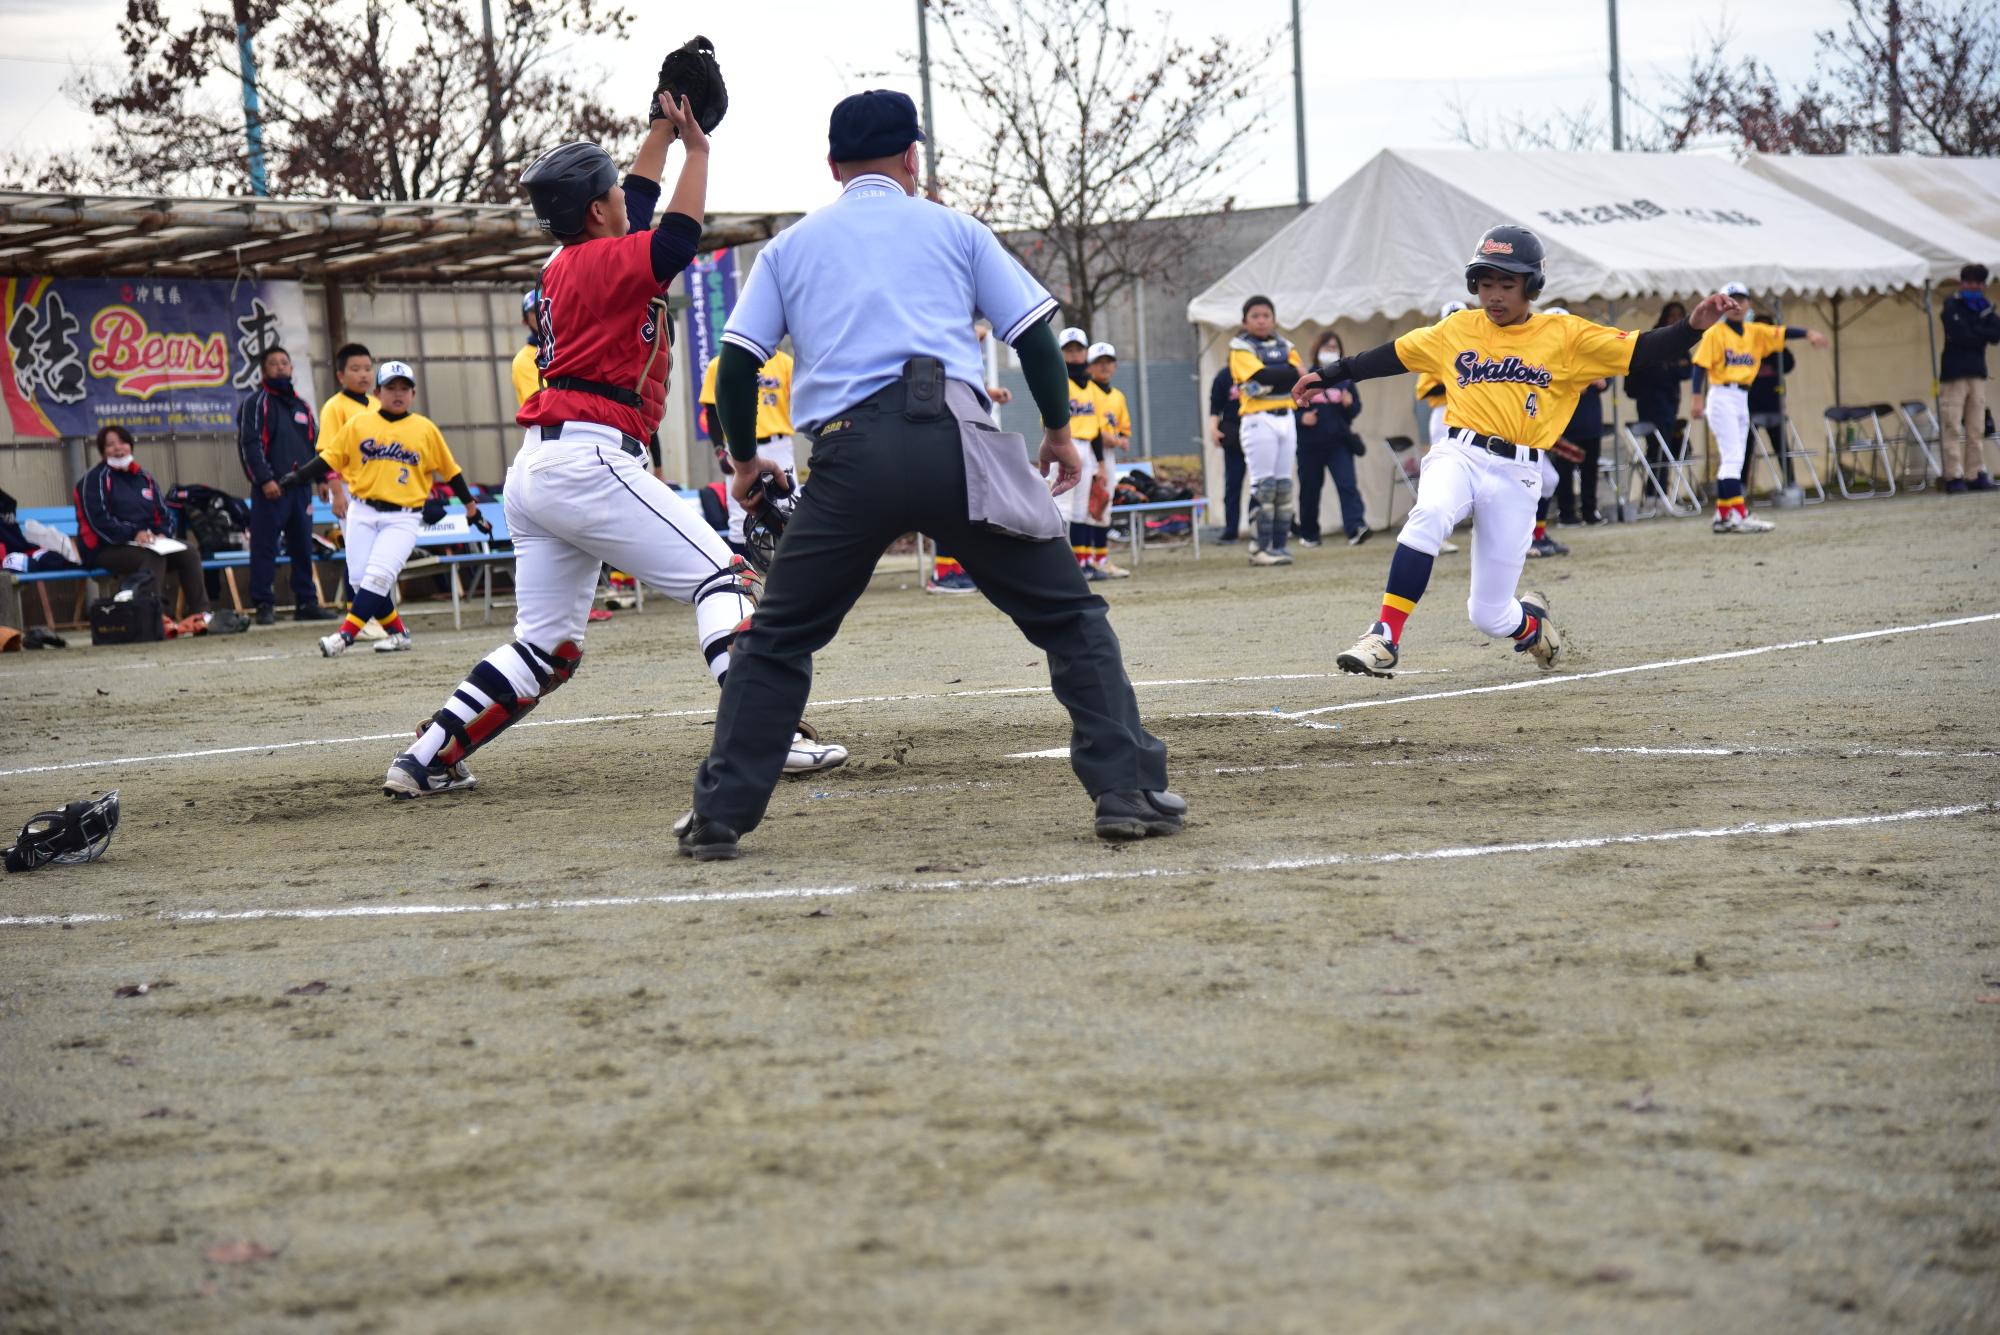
(1327, 443)
(120, 511)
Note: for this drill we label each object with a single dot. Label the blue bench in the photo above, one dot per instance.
(1197, 508)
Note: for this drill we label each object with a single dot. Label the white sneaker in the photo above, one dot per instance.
(1114, 571)
(1748, 523)
(1259, 557)
(1447, 548)
(394, 644)
(1548, 643)
(809, 755)
(334, 645)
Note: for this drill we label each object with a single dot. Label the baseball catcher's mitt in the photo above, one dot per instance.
(433, 510)
(691, 72)
(1567, 452)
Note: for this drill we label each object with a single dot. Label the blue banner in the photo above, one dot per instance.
(711, 289)
(152, 354)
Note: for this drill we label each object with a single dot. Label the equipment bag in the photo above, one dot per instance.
(137, 620)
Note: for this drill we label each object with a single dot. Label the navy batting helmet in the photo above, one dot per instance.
(1508, 249)
(562, 182)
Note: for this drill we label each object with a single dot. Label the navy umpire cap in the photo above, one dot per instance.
(874, 124)
(562, 182)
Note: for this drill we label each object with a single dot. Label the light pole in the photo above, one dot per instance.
(1299, 103)
(253, 120)
(1617, 93)
(924, 73)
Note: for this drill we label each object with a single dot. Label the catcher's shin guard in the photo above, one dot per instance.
(1267, 513)
(502, 687)
(722, 606)
(1281, 512)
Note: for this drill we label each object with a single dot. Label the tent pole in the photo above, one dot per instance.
(1617, 457)
(1834, 303)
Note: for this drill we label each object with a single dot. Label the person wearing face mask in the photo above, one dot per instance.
(276, 433)
(120, 513)
(1327, 443)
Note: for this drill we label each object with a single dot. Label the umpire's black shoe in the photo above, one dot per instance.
(1134, 815)
(315, 612)
(265, 616)
(705, 840)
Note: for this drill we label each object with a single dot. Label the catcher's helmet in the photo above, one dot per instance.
(1508, 249)
(562, 182)
(765, 523)
(79, 832)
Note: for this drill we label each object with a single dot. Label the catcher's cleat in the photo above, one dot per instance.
(1373, 655)
(1269, 556)
(408, 778)
(1749, 523)
(704, 840)
(1546, 546)
(1546, 643)
(334, 645)
(1134, 815)
(394, 644)
(809, 755)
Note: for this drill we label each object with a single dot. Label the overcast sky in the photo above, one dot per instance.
(1377, 74)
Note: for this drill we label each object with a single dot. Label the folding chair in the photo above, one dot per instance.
(1409, 462)
(1852, 431)
(1922, 430)
(1677, 497)
(1784, 464)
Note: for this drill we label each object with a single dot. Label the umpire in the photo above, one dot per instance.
(879, 291)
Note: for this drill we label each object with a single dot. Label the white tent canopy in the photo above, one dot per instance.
(1945, 209)
(1394, 237)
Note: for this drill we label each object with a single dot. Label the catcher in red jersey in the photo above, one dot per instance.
(579, 494)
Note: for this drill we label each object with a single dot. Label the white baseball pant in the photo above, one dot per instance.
(580, 502)
(1270, 446)
(1438, 429)
(779, 450)
(1727, 408)
(1500, 495)
(1550, 478)
(379, 542)
(1074, 504)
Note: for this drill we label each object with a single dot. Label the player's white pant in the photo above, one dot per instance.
(1438, 429)
(579, 502)
(1270, 446)
(1500, 495)
(1550, 478)
(1728, 410)
(379, 542)
(779, 450)
(1075, 503)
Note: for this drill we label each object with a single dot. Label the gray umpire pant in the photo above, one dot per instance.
(875, 476)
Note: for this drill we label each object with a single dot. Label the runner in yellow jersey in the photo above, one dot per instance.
(388, 455)
(1512, 379)
(1725, 362)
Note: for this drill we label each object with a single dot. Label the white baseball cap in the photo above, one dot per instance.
(1072, 335)
(388, 371)
(1102, 350)
(1555, 310)
(1449, 309)
(1735, 290)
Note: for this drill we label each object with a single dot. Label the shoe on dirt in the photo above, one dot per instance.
(1135, 815)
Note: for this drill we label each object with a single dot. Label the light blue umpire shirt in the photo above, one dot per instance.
(871, 280)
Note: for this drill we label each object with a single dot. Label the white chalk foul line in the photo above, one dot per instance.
(1753, 828)
(1525, 684)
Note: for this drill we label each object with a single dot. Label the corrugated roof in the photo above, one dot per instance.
(421, 243)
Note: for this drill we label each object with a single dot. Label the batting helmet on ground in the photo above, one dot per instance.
(562, 182)
(1508, 249)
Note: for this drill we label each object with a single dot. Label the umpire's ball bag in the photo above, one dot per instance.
(134, 621)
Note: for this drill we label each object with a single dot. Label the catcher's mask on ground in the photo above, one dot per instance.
(79, 832)
(765, 523)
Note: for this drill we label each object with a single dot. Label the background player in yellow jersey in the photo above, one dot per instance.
(1725, 364)
(527, 372)
(1511, 382)
(1265, 366)
(1114, 434)
(354, 372)
(774, 427)
(1086, 420)
(388, 455)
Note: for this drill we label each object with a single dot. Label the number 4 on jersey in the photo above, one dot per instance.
(1533, 405)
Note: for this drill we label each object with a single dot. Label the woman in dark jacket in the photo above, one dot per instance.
(1327, 443)
(120, 510)
(1656, 394)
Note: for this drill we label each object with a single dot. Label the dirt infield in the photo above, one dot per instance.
(1662, 998)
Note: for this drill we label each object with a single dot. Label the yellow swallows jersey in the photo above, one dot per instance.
(1730, 356)
(774, 394)
(341, 409)
(1086, 410)
(1519, 382)
(527, 375)
(1247, 356)
(1117, 413)
(390, 459)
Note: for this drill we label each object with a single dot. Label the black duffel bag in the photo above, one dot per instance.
(137, 620)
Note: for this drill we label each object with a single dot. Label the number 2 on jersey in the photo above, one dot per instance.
(1533, 406)
(403, 474)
